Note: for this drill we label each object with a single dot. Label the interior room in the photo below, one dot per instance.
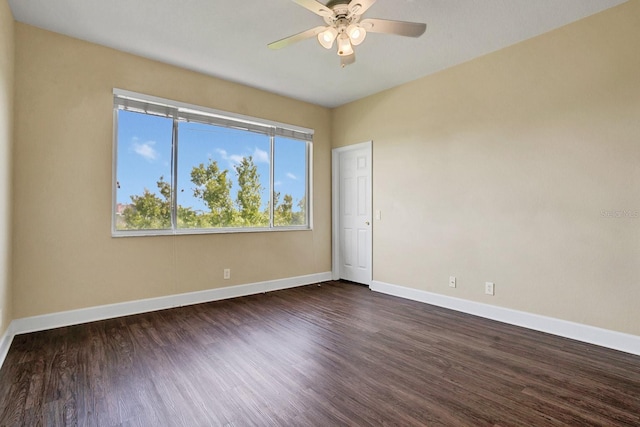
(500, 196)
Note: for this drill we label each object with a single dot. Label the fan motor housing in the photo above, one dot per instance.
(332, 3)
(340, 7)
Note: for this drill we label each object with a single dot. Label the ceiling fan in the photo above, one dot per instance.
(345, 26)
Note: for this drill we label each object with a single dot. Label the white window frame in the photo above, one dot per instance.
(179, 111)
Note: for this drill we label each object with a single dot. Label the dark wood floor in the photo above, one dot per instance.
(335, 354)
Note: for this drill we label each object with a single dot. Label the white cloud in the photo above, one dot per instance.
(145, 150)
(291, 176)
(232, 159)
(277, 183)
(235, 158)
(260, 156)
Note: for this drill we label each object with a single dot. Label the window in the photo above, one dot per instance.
(185, 169)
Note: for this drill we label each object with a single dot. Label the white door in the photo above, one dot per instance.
(354, 212)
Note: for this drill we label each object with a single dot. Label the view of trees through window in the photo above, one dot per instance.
(224, 177)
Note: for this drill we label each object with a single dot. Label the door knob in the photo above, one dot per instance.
(367, 222)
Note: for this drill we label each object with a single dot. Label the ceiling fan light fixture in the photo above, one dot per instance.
(343, 23)
(344, 45)
(356, 34)
(327, 37)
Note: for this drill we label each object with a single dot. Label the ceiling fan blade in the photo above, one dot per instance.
(315, 7)
(358, 7)
(296, 38)
(347, 60)
(401, 28)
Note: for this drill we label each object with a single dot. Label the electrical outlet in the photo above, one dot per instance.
(227, 273)
(489, 288)
(452, 281)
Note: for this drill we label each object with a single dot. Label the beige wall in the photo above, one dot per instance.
(6, 130)
(64, 255)
(499, 170)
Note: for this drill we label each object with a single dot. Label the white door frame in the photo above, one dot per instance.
(335, 207)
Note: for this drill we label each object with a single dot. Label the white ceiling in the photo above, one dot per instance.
(228, 38)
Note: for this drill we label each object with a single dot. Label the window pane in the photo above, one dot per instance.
(290, 182)
(223, 177)
(143, 190)
(225, 173)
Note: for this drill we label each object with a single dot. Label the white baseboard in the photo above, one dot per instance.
(91, 314)
(589, 334)
(5, 343)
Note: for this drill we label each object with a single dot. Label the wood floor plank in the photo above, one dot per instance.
(328, 354)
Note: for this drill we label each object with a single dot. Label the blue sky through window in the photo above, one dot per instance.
(144, 155)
